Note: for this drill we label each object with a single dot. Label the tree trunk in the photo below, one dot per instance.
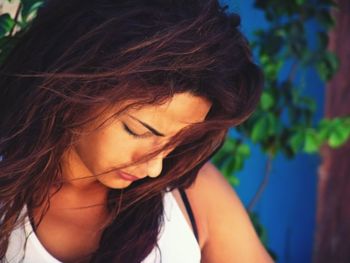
(332, 242)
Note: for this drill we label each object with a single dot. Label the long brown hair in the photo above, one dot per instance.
(79, 56)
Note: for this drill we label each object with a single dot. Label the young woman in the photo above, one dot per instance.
(110, 112)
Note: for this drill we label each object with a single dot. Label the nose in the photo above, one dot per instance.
(154, 166)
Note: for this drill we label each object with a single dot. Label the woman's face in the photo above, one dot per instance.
(128, 137)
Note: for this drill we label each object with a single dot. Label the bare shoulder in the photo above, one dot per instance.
(227, 234)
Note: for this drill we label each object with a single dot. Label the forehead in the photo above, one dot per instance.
(178, 112)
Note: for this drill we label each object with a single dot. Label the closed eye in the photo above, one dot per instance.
(132, 133)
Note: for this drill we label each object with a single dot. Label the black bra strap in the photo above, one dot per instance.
(190, 213)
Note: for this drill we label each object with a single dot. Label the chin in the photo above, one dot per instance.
(114, 183)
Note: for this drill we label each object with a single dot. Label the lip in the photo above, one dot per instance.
(127, 176)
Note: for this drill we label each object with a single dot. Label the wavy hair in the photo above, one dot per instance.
(80, 57)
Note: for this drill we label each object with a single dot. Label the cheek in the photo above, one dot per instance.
(113, 146)
(103, 149)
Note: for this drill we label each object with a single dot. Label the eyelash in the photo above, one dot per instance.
(130, 132)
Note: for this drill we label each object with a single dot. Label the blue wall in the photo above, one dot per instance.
(288, 205)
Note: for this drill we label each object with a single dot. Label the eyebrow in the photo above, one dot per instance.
(150, 128)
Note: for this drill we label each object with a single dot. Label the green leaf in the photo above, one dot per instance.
(243, 150)
(6, 24)
(296, 141)
(311, 104)
(29, 7)
(338, 136)
(267, 100)
(229, 144)
(324, 131)
(224, 170)
(325, 18)
(273, 124)
(327, 66)
(323, 39)
(312, 142)
(260, 129)
(272, 68)
(237, 163)
(219, 157)
(333, 61)
(233, 180)
(281, 32)
(264, 59)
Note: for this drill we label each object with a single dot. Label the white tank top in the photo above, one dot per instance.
(176, 241)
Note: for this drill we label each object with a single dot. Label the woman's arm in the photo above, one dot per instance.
(229, 233)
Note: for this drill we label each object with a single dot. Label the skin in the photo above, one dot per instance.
(101, 149)
(225, 231)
